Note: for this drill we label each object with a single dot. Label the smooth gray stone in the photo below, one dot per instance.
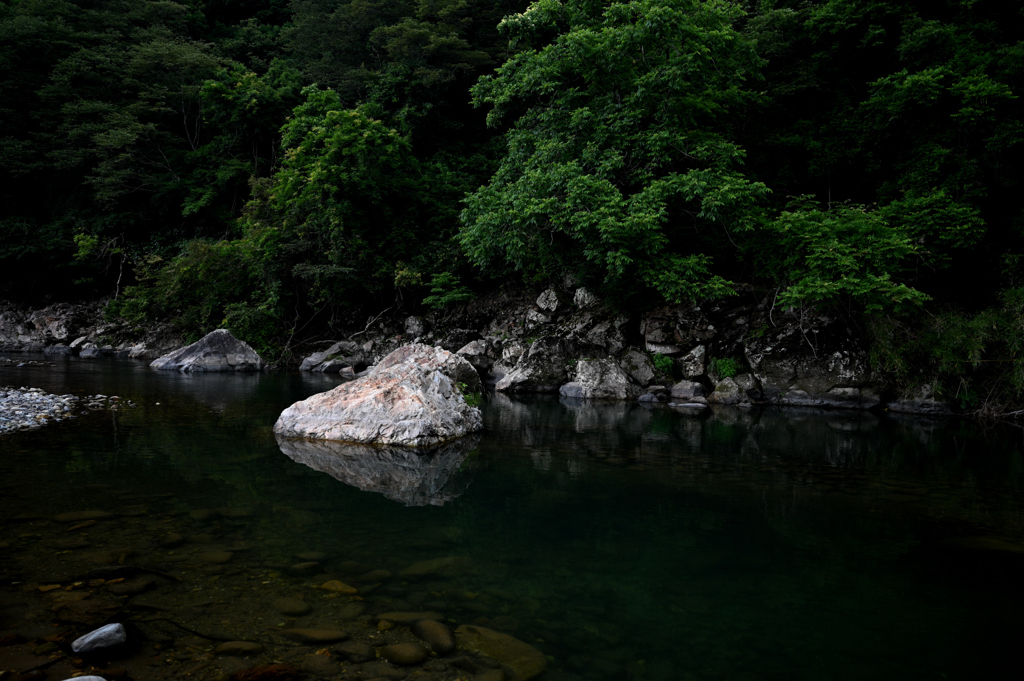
(104, 637)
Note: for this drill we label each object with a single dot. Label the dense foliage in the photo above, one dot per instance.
(285, 167)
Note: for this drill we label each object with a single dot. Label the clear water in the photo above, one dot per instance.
(623, 542)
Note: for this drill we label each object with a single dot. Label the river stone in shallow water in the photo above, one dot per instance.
(104, 637)
(525, 660)
(410, 617)
(411, 398)
(242, 648)
(354, 651)
(490, 675)
(435, 634)
(292, 607)
(216, 351)
(441, 567)
(405, 653)
(313, 636)
(338, 586)
(268, 672)
(215, 557)
(91, 612)
(78, 516)
(383, 670)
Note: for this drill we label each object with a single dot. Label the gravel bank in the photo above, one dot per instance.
(29, 408)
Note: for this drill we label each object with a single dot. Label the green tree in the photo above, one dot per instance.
(621, 165)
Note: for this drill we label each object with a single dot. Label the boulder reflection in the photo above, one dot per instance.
(414, 477)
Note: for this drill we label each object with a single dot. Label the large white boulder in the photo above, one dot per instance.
(413, 398)
(216, 351)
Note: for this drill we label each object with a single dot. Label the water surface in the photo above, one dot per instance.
(623, 542)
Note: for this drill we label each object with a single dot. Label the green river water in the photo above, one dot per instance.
(622, 542)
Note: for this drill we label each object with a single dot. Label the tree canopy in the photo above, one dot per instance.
(276, 166)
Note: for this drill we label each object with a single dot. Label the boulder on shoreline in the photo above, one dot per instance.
(599, 379)
(216, 351)
(413, 398)
(340, 355)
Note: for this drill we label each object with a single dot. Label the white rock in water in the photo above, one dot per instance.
(413, 398)
(104, 637)
(91, 677)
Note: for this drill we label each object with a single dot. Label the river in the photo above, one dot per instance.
(622, 542)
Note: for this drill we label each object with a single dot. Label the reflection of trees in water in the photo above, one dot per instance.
(788, 462)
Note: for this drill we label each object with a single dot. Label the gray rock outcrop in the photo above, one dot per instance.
(736, 391)
(340, 355)
(415, 327)
(76, 326)
(639, 367)
(921, 401)
(413, 398)
(688, 391)
(599, 379)
(482, 354)
(540, 369)
(693, 364)
(216, 351)
(792, 371)
(552, 300)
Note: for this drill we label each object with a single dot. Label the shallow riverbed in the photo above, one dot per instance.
(622, 542)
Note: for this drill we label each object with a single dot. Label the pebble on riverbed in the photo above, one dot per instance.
(31, 408)
(104, 637)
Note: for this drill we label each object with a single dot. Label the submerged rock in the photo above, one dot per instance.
(414, 477)
(216, 351)
(405, 653)
(436, 635)
(437, 567)
(412, 398)
(525, 660)
(241, 648)
(314, 636)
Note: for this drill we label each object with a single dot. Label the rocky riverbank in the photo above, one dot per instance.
(740, 351)
(81, 329)
(31, 408)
